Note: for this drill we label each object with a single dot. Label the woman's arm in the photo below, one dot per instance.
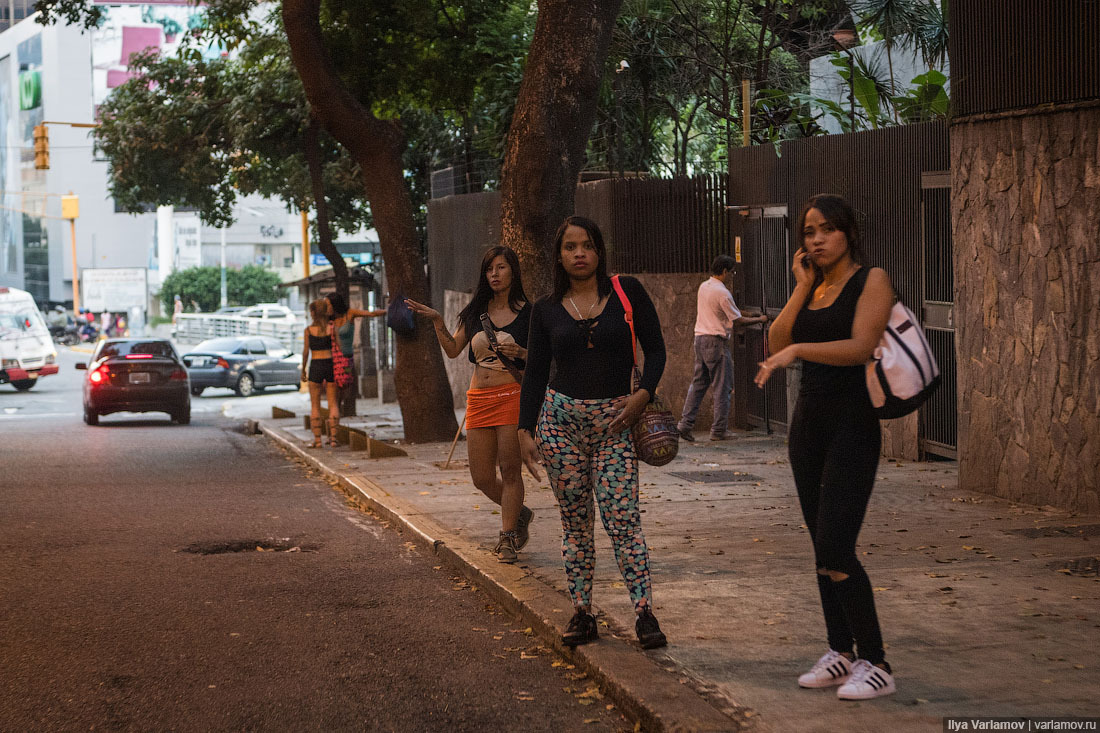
(779, 334)
(535, 378)
(305, 352)
(872, 314)
(452, 344)
(360, 313)
(647, 328)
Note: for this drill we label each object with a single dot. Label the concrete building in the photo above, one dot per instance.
(58, 74)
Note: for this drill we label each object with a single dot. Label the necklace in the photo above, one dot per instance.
(578, 310)
(587, 325)
(823, 293)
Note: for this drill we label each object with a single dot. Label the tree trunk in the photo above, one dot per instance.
(423, 392)
(550, 128)
(312, 150)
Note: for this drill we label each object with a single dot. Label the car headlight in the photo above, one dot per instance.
(11, 363)
(50, 358)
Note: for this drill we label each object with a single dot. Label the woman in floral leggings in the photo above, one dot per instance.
(579, 427)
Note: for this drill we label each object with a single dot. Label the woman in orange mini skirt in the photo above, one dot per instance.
(492, 402)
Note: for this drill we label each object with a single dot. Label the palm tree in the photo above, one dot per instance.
(895, 20)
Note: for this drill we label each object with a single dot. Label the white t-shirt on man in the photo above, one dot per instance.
(715, 309)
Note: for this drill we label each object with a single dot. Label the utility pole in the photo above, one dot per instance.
(225, 290)
(70, 209)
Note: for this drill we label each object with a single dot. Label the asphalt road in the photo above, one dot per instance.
(194, 578)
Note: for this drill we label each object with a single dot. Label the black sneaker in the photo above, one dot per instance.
(522, 533)
(581, 629)
(686, 435)
(649, 631)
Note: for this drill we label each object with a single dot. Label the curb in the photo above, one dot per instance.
(657, 700)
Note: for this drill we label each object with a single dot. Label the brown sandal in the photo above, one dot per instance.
(333, 423)
(315, 425)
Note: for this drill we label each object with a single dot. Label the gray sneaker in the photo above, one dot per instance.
(522, 533)
(506, 547)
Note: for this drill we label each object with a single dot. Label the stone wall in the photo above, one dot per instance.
(1025, 203)
(674, 295)
(459, 370)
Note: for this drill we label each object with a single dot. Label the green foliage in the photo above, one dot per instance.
(247, 286)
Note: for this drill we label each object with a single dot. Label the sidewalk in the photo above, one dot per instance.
(988, 608)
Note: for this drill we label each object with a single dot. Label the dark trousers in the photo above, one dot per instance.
(834, 450)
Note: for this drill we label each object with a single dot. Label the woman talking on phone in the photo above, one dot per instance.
(498, 311)
(832, 322)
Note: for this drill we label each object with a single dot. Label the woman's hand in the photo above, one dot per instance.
(513, 350)
(803, 268)
(779, 360)
(422, 310)
(632, 408)
(530, 453)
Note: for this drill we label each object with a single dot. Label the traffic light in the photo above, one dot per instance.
(41, 148)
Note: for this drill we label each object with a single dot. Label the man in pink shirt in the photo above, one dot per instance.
(716, 316)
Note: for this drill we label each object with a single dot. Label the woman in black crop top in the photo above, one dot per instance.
(580, 426)
(317, 355)
(833, 322)
(492, 401)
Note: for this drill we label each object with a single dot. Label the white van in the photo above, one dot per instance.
(26, 350)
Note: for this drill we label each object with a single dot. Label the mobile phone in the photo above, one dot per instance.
(806, 261)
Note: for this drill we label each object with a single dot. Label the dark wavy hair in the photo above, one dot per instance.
(470, 316)
(838, 212)
(339, 305)
(561, 278)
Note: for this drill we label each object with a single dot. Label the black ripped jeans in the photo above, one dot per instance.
(834, 450)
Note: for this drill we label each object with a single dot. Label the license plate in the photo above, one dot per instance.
(139, 377)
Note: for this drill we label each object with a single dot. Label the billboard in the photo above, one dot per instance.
(115, 289)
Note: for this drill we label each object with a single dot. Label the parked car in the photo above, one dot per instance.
(229, 310)
(136, 375)
(245, 364)
(268, 312)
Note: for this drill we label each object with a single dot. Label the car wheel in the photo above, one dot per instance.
(197, 391)
(183, 417)
(23, 384)
(91, 417)
(245, 385)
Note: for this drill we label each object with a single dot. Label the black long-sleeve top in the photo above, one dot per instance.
(585, 373)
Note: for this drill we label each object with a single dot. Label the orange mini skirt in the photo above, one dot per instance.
(488, 407)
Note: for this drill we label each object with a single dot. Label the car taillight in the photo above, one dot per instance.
(223, 363)
(180, 375)
(99, 376)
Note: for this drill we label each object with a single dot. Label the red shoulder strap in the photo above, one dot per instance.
(628, 316)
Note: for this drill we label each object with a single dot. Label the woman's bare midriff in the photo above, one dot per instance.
(489, 378)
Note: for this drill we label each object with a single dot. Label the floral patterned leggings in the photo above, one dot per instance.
(583, 458)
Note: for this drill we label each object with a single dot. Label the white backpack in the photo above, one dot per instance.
(902, 373)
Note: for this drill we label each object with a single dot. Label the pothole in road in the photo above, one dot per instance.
(222, 547)
(1088, 567)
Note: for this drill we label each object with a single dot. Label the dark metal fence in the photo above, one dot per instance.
(663, 225)
(1013, 54)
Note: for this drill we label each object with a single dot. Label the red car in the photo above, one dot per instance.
(136, 375)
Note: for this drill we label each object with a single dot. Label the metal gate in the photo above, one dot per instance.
(938, 416)
(763, 283)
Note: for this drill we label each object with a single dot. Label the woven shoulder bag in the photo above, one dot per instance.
(656, 439)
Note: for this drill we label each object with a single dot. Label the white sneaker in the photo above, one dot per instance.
(832, 669)
(867, 681)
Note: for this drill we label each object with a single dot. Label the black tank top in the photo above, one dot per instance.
(320, 343)
(833, 323)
